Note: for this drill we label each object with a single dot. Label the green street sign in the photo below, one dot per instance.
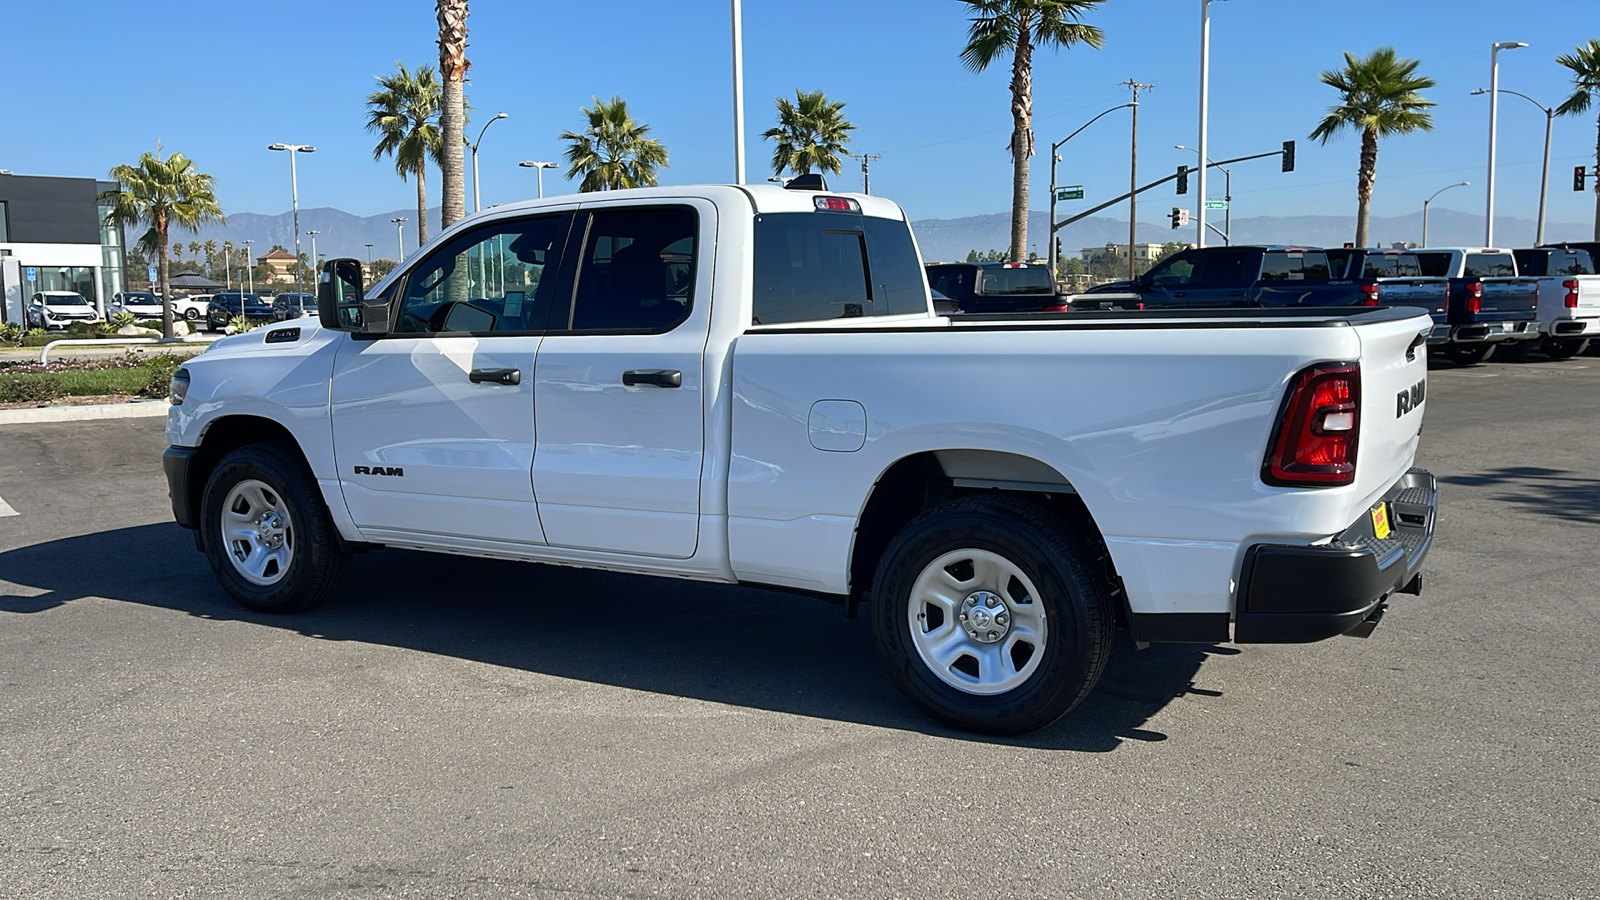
(1216, 204)
(1072, 192)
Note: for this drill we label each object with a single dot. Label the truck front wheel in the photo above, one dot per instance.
(265, 532)
(989, 614)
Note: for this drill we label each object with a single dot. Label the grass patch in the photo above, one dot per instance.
(141, 376)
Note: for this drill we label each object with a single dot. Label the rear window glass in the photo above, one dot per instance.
(812, 267)
(997, 281)
(1490, 265)
(1280, 265)
(1563, 262)
(1391, 265)
(1434, 265)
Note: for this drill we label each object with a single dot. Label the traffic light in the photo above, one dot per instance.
(1578, 173)
(1180, 217)
(1183, 181)
(1288, 156)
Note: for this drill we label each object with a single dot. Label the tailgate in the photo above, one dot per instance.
(1588, 295)
(1510, 295)
(1394, 383)
(1430, 294)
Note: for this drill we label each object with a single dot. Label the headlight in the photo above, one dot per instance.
(178, 388)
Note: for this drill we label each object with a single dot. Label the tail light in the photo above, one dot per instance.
(1571, 284)
(1316, 440)
(1474, 296)
(1369, 293)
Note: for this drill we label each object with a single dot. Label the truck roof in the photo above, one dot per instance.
(762, 198)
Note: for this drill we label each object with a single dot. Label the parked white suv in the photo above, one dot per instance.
(192, 307)
(58, 309)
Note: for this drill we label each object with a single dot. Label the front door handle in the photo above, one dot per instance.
(498, 376)
(667, 378)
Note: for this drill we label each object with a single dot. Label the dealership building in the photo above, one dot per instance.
(53, 237)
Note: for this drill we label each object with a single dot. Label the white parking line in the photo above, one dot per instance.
(6, 510)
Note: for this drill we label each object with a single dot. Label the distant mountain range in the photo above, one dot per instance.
(345, 234)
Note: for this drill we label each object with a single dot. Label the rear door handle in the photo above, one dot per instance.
(498, 376)
(667, 378)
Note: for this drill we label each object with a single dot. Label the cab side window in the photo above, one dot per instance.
(1178, 270)
(637, 270)
(498, 278)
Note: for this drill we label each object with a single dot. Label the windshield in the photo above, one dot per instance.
(65, 300)
(1029, 280)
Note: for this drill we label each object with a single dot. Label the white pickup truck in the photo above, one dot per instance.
(1569, 297)
(747, 384)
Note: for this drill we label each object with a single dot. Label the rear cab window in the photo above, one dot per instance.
(817, 266)
(1391, 265)
(1490, 265)
(1011, 281)
(1294, 265)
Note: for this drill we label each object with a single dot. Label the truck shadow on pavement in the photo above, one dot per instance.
(734, 645)
(1550, 492)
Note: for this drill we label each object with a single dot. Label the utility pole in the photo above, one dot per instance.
(866, 175)
(1133, 172)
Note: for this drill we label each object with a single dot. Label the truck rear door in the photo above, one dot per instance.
(619, 384)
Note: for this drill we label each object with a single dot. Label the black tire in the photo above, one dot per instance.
(1468, 354)
(1077, 613)
(318, 559)
(191, 314)
(1563, 348)
(1513, 351)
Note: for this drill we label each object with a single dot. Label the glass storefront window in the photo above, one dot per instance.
(79, 279)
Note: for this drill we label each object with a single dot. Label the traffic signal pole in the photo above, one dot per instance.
(1157, 183)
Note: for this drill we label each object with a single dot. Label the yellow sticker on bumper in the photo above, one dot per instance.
(1380, 521)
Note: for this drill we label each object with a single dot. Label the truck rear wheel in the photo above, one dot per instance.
(1467, 354)
(265, 532)
(1563, 348)
(990, 616)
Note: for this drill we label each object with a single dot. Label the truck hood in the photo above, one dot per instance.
(256, 340)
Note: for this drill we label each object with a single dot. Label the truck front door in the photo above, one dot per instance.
(619, 388)
(433, 423)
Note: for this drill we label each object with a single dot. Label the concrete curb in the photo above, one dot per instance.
(143, 409)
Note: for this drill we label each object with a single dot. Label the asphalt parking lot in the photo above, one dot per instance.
(461, 728)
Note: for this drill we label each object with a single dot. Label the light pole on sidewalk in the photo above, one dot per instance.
(294, 197)
(1430, 200)
(538, 167)
(1055, 157)
(1494, 108)
(1544, 173)
(400, 235)
(497, 117)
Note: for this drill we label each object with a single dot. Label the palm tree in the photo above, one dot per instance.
(211, 257)
(162, 193)
(177, 249)
(1584, 62)
(194, 250)
(404, 111)
(613, 152)
(1379, 98)
(811, 133)
(453, 65)
(1016, 27)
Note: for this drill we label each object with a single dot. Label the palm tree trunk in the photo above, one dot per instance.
(1368, 174)
(422, 202)
(162, 275)
(452, 15)
(1021, 137)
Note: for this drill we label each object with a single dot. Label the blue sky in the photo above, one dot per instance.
(221, 81)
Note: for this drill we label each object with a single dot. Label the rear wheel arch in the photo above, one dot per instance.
(920, 481)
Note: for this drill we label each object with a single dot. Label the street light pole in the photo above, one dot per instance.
(249, 269)
(1430, 200)
(540, 167)
(497, 117)
(294, 196)
(369, 256)
(1227, 197)
(1494, 108)
(1544, 173)
(400, 235)
(313, 234)
(1205, 92)
(1055, 157)
(738, 93)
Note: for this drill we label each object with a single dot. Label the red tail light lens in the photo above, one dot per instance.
(1369, 294)
(1571, 284)
(1474, 296)
(1316, 440)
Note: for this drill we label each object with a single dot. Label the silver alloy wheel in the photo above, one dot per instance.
(257, 532)
(977, 622)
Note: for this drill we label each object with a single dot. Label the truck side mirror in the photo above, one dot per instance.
(342, 304)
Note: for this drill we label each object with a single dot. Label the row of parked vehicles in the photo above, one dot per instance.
(1482, 300)
(55, 310)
